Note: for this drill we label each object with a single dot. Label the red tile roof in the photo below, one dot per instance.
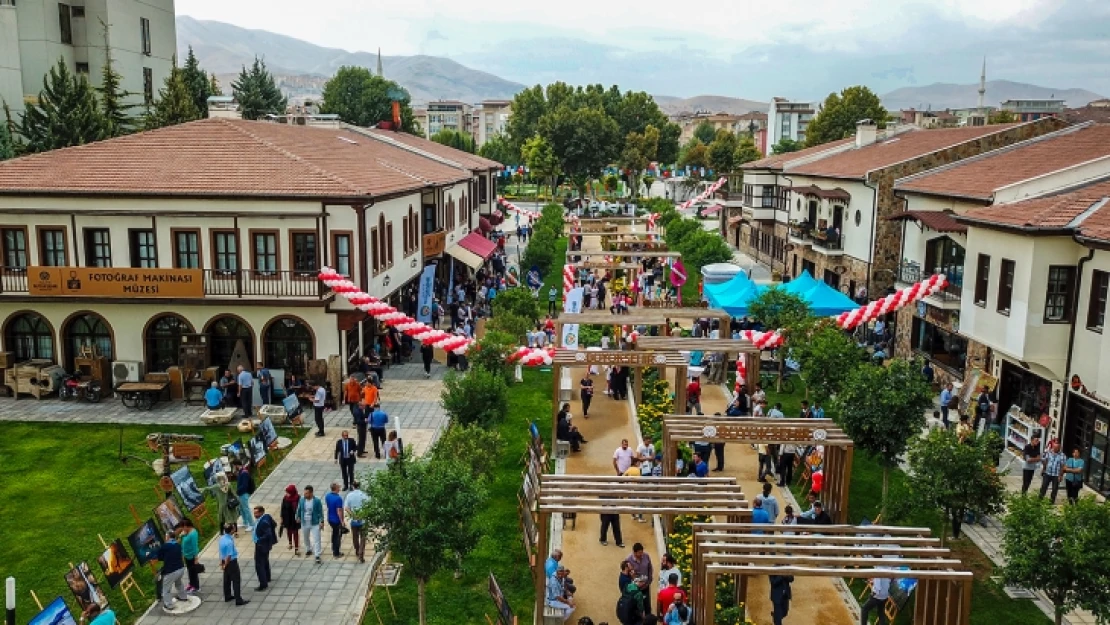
(1052, 212)
(438, 150)
(978, 177)
(856, 162)
(776, 161)
(941, 221)
(228, 158)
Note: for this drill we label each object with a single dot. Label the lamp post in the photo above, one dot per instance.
(9, 596)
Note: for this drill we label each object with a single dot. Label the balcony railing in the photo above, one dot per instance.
(911, 273)
(824, 242)
(231, 284)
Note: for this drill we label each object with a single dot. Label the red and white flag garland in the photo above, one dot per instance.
(710, 190)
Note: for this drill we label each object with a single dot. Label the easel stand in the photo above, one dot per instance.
(139, 523)
(127, 583)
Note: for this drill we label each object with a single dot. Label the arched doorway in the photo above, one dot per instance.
(86, 329)
(28, 335)
(223, 332)
(288, 344)
(162, 341)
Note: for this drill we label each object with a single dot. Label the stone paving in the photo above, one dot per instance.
(303, 592)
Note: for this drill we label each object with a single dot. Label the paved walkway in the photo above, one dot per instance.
(303, 592)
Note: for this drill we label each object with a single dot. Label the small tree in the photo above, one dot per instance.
(954, 477)
(118, 120)
(840, 113)
(7, 142)
(705, 133)
(67, 113)
(498, 148)
(175, 103)
(480, 396)
(541, 161)
(473, 446)
(881, 408)
(1063, 553)
(785, 146)
(779, 310)
(257, 93)
(722, 152)
(491, 353)
(454, 139)
(746, 151)
(519, 302)
(198, 82)
(423, 511)
(826, 354)
(1001, 117)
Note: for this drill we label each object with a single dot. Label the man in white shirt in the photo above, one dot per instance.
(246, 391)
(355, 500)
(776, 412)
(667, 566)
(318, 401)
(880, 592)
(622, 457)
(646, 450)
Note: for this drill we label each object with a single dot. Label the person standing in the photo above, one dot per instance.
(700, 468)
(1073, 476)
(426, 354)
(378, 420)
(880, 592)
(786, 464)
(693, 396)
(1052, 467)
(289, 522)
(759, 514)
(246, 391)
(265, 537)
(352, 392)
(190, 548)
(361, 414)
(1031, 457)
(770, 504)
(586, 392)
(551, 295)
(173, 571)
(945, 401)
(229, 563)
(927, 372)
(766, 466)
(611, 520)
(622, 457)
(244, 488)
(635, 602)
(334, 503)
(310, 516)
(265, 385)
(666, 596)
(345, 454)
(319, 398)
(641, 562)
(780, 597)
(354, 501)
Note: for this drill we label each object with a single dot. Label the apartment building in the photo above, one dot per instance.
(1036, 296)
(140, 36)
(448, 115)
(489, 119)
(219, 227)
(1029, 110)
(935, 241)
(833, 200)
(788, 120)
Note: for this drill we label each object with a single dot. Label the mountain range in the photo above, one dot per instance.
(302, 68)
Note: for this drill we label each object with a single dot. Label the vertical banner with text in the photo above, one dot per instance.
(427, 289)
(569, 339)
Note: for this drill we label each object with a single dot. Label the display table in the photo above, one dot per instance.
(1020, 429)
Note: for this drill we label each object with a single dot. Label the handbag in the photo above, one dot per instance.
(344, 530)
(232, 503)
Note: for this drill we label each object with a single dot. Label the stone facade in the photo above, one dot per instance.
(852, 271)
(767, 246)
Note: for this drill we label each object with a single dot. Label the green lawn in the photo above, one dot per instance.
(63, 485)
(451, 601)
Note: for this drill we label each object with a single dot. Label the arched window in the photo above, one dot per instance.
(383, 256)
(223, 333)
(87, 330)
(163, 341)
(288, 345)
(28, 336)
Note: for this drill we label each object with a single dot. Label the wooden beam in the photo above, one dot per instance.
(553, 478)
(827, 560)
(716, 529)
(860, 573)
(891, 550)
(620, 509)
(771, 541)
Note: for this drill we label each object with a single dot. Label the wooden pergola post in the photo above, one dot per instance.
(680, 374)
(557, 371)
(638, 382)
(541, 557)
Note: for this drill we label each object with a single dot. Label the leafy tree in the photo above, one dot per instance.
(510, 324)
(423, 511)
(118, 119)
(705, 132)
(668, 143)
(722, 152)
(1001, 117)
(519, 302)
(826, 354)
(529, 106)
(257, 93)
(363, 98)
(540, 252)
(746, 151)
(779, 310)
(175, 103)
(953, 477)
(611, 183)
(473, 446)
(498, 148)
(491, 352)
(198, 82)
(541, 161)
(214, 86)
(648, 181)
(67, 113)
(702, 247)
(1060, 552)
(840, 113)
(584, 140)
(455, 139)
(639, 151)
(785, 146)
(695, 155)
(7, 141)
(479, 396)
(881, 409)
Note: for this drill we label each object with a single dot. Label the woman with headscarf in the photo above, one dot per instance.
(223, 492)
(289, 518)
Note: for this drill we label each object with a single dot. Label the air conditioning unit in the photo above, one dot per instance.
(126, 371)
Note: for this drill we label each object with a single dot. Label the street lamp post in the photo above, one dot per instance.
(9, 597)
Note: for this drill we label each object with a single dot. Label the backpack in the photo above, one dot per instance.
(626, 607)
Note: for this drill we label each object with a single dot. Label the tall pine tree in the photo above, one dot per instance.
(175, 102)
(7, 142)
(214, 86)
(67, 113)
(257, 93)
(118, 119)
(197, 80)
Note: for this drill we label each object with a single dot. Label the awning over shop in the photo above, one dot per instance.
(465, 256)
(478, 245)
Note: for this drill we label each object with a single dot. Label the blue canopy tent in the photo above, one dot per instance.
(823, 300)
(798, 286)
(733, 296)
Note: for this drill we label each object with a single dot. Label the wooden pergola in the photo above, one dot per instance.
(647, 253)
(836, 464)
(741, 347)
(861, 552)
(598, 494)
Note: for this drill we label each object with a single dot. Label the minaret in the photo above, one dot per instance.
(982, 84)
(380, 73)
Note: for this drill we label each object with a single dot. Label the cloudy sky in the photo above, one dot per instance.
(797, 48)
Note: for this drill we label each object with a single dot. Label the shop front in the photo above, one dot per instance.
(1088, 429)
(1030, 404)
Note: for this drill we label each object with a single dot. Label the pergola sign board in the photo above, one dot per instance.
(860, 552)
(636, 254)
(598, 494)
(836, 464)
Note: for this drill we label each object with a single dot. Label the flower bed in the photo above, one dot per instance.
(680, 544)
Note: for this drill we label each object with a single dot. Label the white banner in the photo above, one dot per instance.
(573, 306)
(427, 288)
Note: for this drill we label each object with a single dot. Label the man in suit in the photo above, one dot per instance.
(346, 452)
(780, 597)
(265, 537)
(361, 414)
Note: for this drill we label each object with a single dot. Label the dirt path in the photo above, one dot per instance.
(594, 567)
